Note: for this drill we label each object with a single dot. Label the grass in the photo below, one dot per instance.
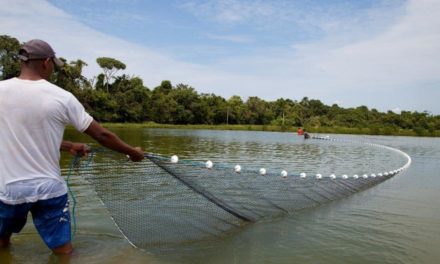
(329, 130)
(208, 127)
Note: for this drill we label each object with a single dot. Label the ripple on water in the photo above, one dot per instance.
(387, 224)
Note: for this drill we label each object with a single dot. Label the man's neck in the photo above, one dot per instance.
(29, 74)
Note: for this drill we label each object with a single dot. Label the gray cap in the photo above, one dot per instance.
(38, 49)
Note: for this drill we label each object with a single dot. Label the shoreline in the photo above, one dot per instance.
(385, 131)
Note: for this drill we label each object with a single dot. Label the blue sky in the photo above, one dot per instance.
(382, 54)
(208, 31)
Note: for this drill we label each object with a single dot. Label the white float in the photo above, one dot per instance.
(174, 159)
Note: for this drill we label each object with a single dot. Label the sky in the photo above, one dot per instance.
(383, 54)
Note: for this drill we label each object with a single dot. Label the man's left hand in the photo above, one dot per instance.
(79, 149)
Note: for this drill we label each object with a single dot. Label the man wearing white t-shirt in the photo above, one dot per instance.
(33, 115)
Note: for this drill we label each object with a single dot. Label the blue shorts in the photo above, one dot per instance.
(51, 218)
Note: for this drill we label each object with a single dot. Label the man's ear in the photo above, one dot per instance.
(46, 62)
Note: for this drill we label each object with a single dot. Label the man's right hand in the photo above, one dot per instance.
(111, 141)
(137, 154)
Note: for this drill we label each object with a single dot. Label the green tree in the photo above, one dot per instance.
(213, 109)
(109, 66)
(257, 111)
(235, 110)
(102, 106)
(284, 113)
(187, 100)
(132, 97)
(9, 64)
(70, 78)
(165, 87)
(163, 108)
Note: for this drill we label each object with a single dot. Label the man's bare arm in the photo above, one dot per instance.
(111, 141)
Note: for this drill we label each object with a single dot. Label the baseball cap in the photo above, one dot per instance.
(38, 49)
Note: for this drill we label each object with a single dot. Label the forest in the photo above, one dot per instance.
(116, 97)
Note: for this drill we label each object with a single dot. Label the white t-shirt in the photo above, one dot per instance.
(33, 115)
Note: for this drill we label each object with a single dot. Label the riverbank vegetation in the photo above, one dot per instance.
(121, 98)
(275, 128)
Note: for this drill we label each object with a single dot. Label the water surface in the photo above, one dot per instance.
(397, 221)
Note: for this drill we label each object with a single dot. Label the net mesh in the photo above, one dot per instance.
(156, 202)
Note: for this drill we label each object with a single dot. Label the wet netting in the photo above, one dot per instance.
(163, 200)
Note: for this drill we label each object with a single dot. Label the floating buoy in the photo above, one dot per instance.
(345, 176)
(385, 174)
(318, 176)
(284, 174)
(332, 176)
(379, 174)
(355, 176)
(209, 164)
(373, 175)
(263, 171)
(365, 176)
(174, 159)
(237, 168)
(303, 175)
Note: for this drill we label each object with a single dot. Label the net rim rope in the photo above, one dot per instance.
(262, 171)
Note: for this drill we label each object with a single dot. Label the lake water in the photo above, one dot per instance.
(397, 221)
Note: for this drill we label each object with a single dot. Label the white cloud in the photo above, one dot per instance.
(73, 40)
(229, 11)
(396, 110)
(395, 67)
(231, 38)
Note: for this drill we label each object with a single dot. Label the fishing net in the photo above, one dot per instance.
(160, 201)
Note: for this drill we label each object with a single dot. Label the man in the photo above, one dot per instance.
(306, 135)
(33, 115)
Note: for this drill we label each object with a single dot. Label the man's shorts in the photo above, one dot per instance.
(51, 218)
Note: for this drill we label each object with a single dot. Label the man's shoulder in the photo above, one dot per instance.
(6, 82)
(55, 89)
(38, 83)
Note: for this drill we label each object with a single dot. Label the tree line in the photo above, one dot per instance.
(114, 97)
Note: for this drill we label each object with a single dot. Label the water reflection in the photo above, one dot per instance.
(397, 221)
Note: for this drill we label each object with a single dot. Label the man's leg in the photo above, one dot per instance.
(5, 241)
(52, 220)
(65, 249)
(12, 220)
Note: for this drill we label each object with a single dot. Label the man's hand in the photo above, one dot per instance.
(137, 154)
(76, 149)
(109, 140)
(79, 149)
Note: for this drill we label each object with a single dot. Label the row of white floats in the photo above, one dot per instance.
(284, 174)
